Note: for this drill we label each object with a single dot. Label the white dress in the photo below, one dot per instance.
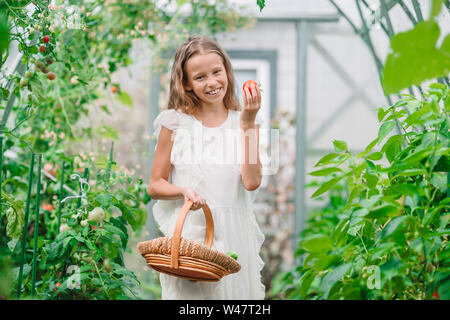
(204, 167)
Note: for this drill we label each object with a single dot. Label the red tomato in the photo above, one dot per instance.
(51, 76)
(248, 84)
(42, 48)
(46, 39)
(47, 207)
(436, 295)
(48, 167)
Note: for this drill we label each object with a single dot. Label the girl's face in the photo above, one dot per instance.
(207, 77)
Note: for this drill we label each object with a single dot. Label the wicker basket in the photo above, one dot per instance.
(185, 258)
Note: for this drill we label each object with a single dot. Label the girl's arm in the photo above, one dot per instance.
(159, 188)
(251, 164)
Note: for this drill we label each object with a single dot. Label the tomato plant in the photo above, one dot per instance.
(64, 68)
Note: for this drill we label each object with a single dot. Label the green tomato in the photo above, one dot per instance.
(40, 64)
(64, 227)
(107, 265)
(96, 215)
(23, 82)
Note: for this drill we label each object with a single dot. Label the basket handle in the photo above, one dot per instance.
(176, 238)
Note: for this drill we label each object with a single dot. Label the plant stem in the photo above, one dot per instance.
(365, 249)
(101, 279)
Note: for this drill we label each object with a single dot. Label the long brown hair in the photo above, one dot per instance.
(187, 101)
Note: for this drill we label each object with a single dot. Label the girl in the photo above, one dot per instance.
(202, 97)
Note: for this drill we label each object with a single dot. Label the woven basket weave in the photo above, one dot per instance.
(185, 258)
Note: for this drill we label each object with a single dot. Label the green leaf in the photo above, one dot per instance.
(25, 271)
(416, 115)
(391, 268)
(439, 180)
(371, 145)
(392, 147)
(375, 156)
(105, 108)
(386, 210)
(415, 57)
(371, 179)
(429, 216)
(124, 98)
(261, 4)
(114, 230)
(325, 172)
(417, 156)
(12, 244)
(332, 277)
(326, 186)
(410, 173)
(340, 145)
(404, 188)
(4, 33)
(127, 215)
(326, 159)
(385, 129)
(305, 282)
(104, 199)
(15, 221)
(392, 226)
(444, 290)
(324, 261)
(317, 243)
(435, 8)
(381, 114)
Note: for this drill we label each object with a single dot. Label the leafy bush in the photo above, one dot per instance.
(385, 231)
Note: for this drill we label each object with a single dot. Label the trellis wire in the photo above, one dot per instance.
(82, 193)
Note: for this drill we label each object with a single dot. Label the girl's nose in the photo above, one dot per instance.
(212, 84)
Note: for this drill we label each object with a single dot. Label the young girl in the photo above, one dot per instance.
(202, 99)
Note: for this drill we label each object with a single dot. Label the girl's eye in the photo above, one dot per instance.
(199, 77)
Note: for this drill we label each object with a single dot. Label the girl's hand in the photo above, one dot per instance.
(190, 194)
(252, 103)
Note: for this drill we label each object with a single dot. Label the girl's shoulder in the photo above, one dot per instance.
(171, 119)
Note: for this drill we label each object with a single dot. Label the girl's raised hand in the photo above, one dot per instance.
(252, 102)
(190, 194)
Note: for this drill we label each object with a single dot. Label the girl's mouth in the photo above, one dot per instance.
(214, 92)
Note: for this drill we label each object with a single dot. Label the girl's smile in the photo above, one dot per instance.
(214, 92)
